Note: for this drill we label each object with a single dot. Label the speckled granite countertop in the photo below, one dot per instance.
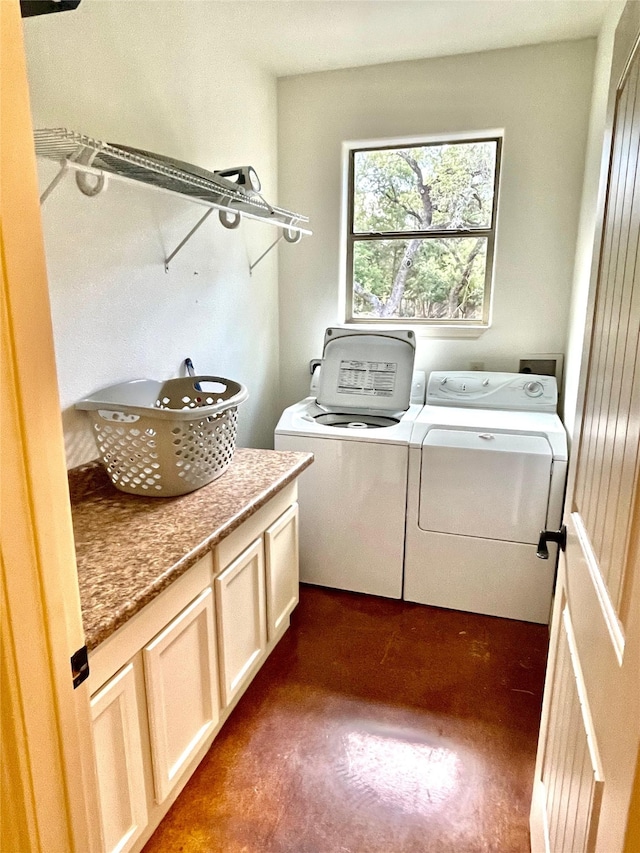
(129, 548)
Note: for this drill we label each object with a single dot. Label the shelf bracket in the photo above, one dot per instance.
(95, 162)
(64, 168)
(265, 253)
(290, 234)
(180, 245)
(81, 164)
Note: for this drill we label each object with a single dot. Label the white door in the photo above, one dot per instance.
(590, 730)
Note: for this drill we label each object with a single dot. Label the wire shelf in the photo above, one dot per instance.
(85, 154)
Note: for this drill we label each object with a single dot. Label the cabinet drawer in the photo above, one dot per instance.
(253, 528)
(240, 611)
(182, 690)
(121, 647)
(119, 762)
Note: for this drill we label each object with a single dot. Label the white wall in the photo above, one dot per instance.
(540, 95)
(144, 74)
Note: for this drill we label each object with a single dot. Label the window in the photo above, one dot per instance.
(421, 232)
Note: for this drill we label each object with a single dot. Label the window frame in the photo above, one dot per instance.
(353, 237)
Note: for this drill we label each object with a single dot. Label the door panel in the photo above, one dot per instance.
(590, 732)
(119, 763)
(571, 772)
(281, 570)
(609, 444)
(241, 619)
(181, 662)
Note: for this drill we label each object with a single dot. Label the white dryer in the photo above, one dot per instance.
(358, 426)
(487, 472)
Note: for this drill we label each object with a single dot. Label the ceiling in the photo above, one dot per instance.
(299, 36)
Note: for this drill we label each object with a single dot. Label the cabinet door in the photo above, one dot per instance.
(182, 690)
(282, 575)
(119, 762)
(240, 610)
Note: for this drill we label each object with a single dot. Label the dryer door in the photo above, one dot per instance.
(486, 484)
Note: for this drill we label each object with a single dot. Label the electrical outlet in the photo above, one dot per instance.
(476, 365)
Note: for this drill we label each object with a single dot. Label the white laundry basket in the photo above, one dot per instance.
(165, 438)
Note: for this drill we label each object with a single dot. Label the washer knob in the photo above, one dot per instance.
(533, 389)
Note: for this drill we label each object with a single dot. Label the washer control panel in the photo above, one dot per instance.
(477, 389)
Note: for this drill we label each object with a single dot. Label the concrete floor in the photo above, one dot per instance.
(376, 726)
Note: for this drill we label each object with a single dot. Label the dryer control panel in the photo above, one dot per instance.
(524, 392)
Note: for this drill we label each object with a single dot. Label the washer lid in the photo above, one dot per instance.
(366, 370)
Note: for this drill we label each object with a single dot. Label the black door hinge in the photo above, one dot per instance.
(28, 8)
(80, 666)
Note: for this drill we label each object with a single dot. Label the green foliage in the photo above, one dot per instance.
(446, 187)
(438, 267)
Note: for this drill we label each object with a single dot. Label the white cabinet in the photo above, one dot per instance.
(181, 677)
(282, 570)
(181, 664)
(119, 762)
(240, 611)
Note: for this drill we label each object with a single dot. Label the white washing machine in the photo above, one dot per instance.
(358, 426)
(487, 472)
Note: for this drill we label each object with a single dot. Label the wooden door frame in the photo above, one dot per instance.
(48, 778)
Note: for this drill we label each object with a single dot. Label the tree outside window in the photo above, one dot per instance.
(421, 232)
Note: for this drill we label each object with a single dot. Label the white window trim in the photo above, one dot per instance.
(421, 330)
